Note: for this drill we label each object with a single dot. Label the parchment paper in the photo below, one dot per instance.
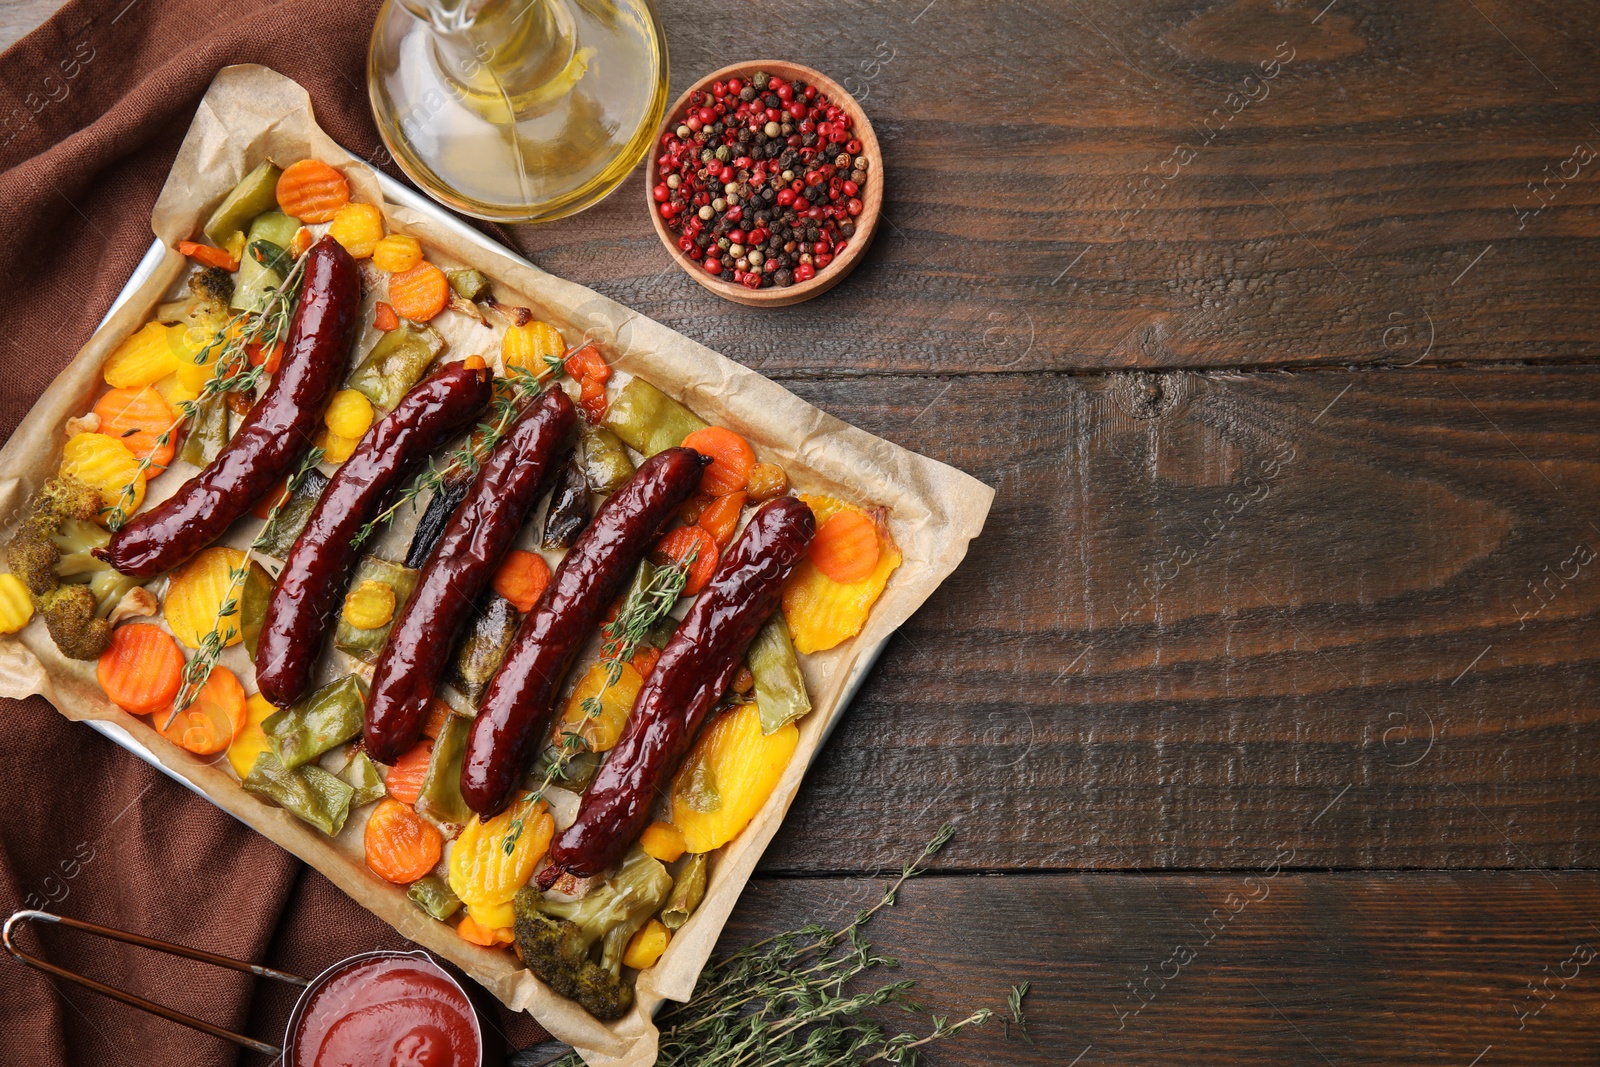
(252, 113)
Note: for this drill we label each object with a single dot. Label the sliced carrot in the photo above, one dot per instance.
(258, 355)
(476, 933)
(213, 720)
(406, 776)
(138, 418)
(644, 660)
(420, 293)
(592, 399)
(141, 669)
(691, 510)
(587, 362)
(721, 518)
(846, 546)
(210, 257)
(277, 495)
(301, 242)
(438, 714)
(677, 546)
(312, 191)
(400, 846)
(522, 578)
(384, 318)
(731, 459)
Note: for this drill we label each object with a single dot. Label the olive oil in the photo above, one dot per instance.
(518, 110)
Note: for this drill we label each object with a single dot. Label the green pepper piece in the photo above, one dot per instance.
(256, 192)
(433, 895)
(365, 645)
(361, 774)
(309, 793)
(257, 281)
(781, 696)
(468, 284)
(649, 420)
(688, 889)
(253, 598)
(568, 513)
(396, 363)
(575, 774)
(330, 716)
(483, 648)
(208, 432)
(280, 535)
(440, 801)
(606, 465)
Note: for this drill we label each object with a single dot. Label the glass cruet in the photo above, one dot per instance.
(517, 110)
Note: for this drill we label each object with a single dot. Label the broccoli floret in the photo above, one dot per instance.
(69, 614)
(557, 938)
(52, 553)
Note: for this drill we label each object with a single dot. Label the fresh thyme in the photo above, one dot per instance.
(639, 614)
(1018, 1016)
(571, 746)
(521, 385)
(198, 669)
(231, 374)
(787, 1001)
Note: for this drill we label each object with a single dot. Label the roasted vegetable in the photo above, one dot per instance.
(255, 194)
(279, 536)
(435, 518)
(780, 689)
(688, 889)
(265, 260)
(569, 508)
(483, 648)
(207, 431)
(396, 363)
(468, 284)
(433, 895)
(728, 776)
(491, 860)
(16, 606)
(605, 462)
(103, 462)
(361, 775)
(254, 594)
(251, 742)
(558, 939)
(196, 593)
(821, 612)
(649, 420)
(364, 643)
(50, 553)
(572, 769)
(309, 793)
(597, 712)
(330, 716)
(440, 801)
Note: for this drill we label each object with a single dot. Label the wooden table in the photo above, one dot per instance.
(1266, 707)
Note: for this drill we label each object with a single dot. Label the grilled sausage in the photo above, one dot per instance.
(474, 542)
(516, 708)
(693, 672)
(273, 437)
(318, 568)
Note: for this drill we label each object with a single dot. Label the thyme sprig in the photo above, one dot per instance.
(571, 745)
(787, 1001)
(520, 385)
(231, 374)
(198, 669)
(639, 614)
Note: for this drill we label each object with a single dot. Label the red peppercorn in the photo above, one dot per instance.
(785, 197)
(821, 260)
(734, 85)
(853, 147)
(850, 188)
(804, 272)
(661, 192)
(785, 91)
(854, 206)
(752, 280)
(811, 92)
(713, 265)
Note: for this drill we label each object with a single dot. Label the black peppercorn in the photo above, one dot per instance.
(847, 228)
(808, 139)
(784, 277)
(748, 93)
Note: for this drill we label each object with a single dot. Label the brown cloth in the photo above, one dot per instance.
(93, 106)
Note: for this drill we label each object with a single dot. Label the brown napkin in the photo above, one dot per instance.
(98, 100)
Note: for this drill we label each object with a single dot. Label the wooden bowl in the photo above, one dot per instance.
(871, 199)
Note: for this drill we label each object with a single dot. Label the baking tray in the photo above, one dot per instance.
(399, 193)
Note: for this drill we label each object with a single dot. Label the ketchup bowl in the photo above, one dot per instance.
(386, 1008)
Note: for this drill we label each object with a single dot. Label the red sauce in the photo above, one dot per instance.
(387, 1011)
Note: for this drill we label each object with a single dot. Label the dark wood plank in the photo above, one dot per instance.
(1041, 213)
(1211, 614)
(1281, 968)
